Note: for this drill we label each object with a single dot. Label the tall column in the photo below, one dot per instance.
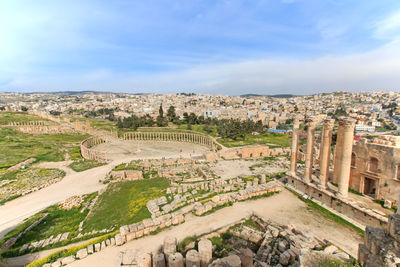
(325, 152)
(309, 150)
(345, 160)
(293, 155)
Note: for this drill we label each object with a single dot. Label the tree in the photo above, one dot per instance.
(189, 126)
(24, 108)
(207, 128)
(160, 118)
(186, 117)
(171, 115)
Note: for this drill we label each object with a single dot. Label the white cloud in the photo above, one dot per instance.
(374, 70)
(388, 28)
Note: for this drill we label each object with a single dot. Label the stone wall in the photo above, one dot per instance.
(344, 206)
(88, 152)
(384, 177)
(381, 246)
(130, 175)
(193, 138)
(246, 152)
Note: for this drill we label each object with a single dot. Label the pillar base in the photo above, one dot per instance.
(340, 195)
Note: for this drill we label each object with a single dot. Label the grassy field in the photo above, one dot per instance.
(99, 123)
(58, 221)
(124, 203)
(84, 164)
(16, 146)
(277, 139)
(6, 117)
(23, 180)
(199, 129)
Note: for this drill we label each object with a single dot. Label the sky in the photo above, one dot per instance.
(228, 47)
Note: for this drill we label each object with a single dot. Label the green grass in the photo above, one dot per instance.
(329, 262)
(350, 190)
(25, 179)
(16, 146)
(6, 117)
(186, 241)
(58, 221)
(124, 203)
(74, 152)
(277, 139)
(68, 252)
(99, 123)
(84, 164)
(199, 129)
(326, 213)
(134, 165)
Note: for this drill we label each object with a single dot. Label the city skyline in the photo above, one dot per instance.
(223, 47)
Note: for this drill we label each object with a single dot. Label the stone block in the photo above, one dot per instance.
(97, 247)
(175, 260)
(143, 260)
(169, 246)
(158, 259)
(139, 233)
(57, 263)
(119, 240)
(103, 245)
(108, 242)
(123, 230)
(192, 258)
(90, 249)
(246, 257)
(394, 226)
(205, 251)
(112, 241)
(284, 258)
(81, 254)
(68, 260)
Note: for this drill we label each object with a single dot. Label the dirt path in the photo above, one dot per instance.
(284, 208)
(76, 183)
(62, 165)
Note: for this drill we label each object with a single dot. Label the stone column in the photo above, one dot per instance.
(325, 152)
(192, 258)
(143, 260)
(175, 260)
(205, 251)
(309, 149)
(293, 155)
(158, 260)
(169, 246)
(344, 161)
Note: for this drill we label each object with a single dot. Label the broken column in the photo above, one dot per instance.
(169, 246)
(143, 260)
(293, 155)
(325, 152)
(158, 259)
(175, 260)
(309, 149)
(346, 143)
(205, 251)
(192, 258)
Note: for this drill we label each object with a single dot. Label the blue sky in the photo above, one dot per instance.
(227, 47)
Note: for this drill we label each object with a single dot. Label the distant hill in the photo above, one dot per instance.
(276, 96)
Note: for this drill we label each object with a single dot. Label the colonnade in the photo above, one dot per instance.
(28, 123)
(342, 160)
(170, 136)
(88, 153)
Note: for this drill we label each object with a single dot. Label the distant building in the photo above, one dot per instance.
(364, 128)
(211, 114)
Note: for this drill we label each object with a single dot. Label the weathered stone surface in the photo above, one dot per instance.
(175, 260)
(169, 246)
(143, 260)
(205, 251)
(97, 247)
(90, 249)
(119, 240)
(68, 260)
(284, 258)
(330, 249)
(81, 254)
(192, 258)
(124, 230)
(158, 260)
(57, 263)
(246, 257)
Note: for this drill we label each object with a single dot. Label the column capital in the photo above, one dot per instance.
(311, 121)
(347, 123)
(328, 123)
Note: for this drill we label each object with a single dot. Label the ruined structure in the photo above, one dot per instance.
(381, 246)
(375, 168)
